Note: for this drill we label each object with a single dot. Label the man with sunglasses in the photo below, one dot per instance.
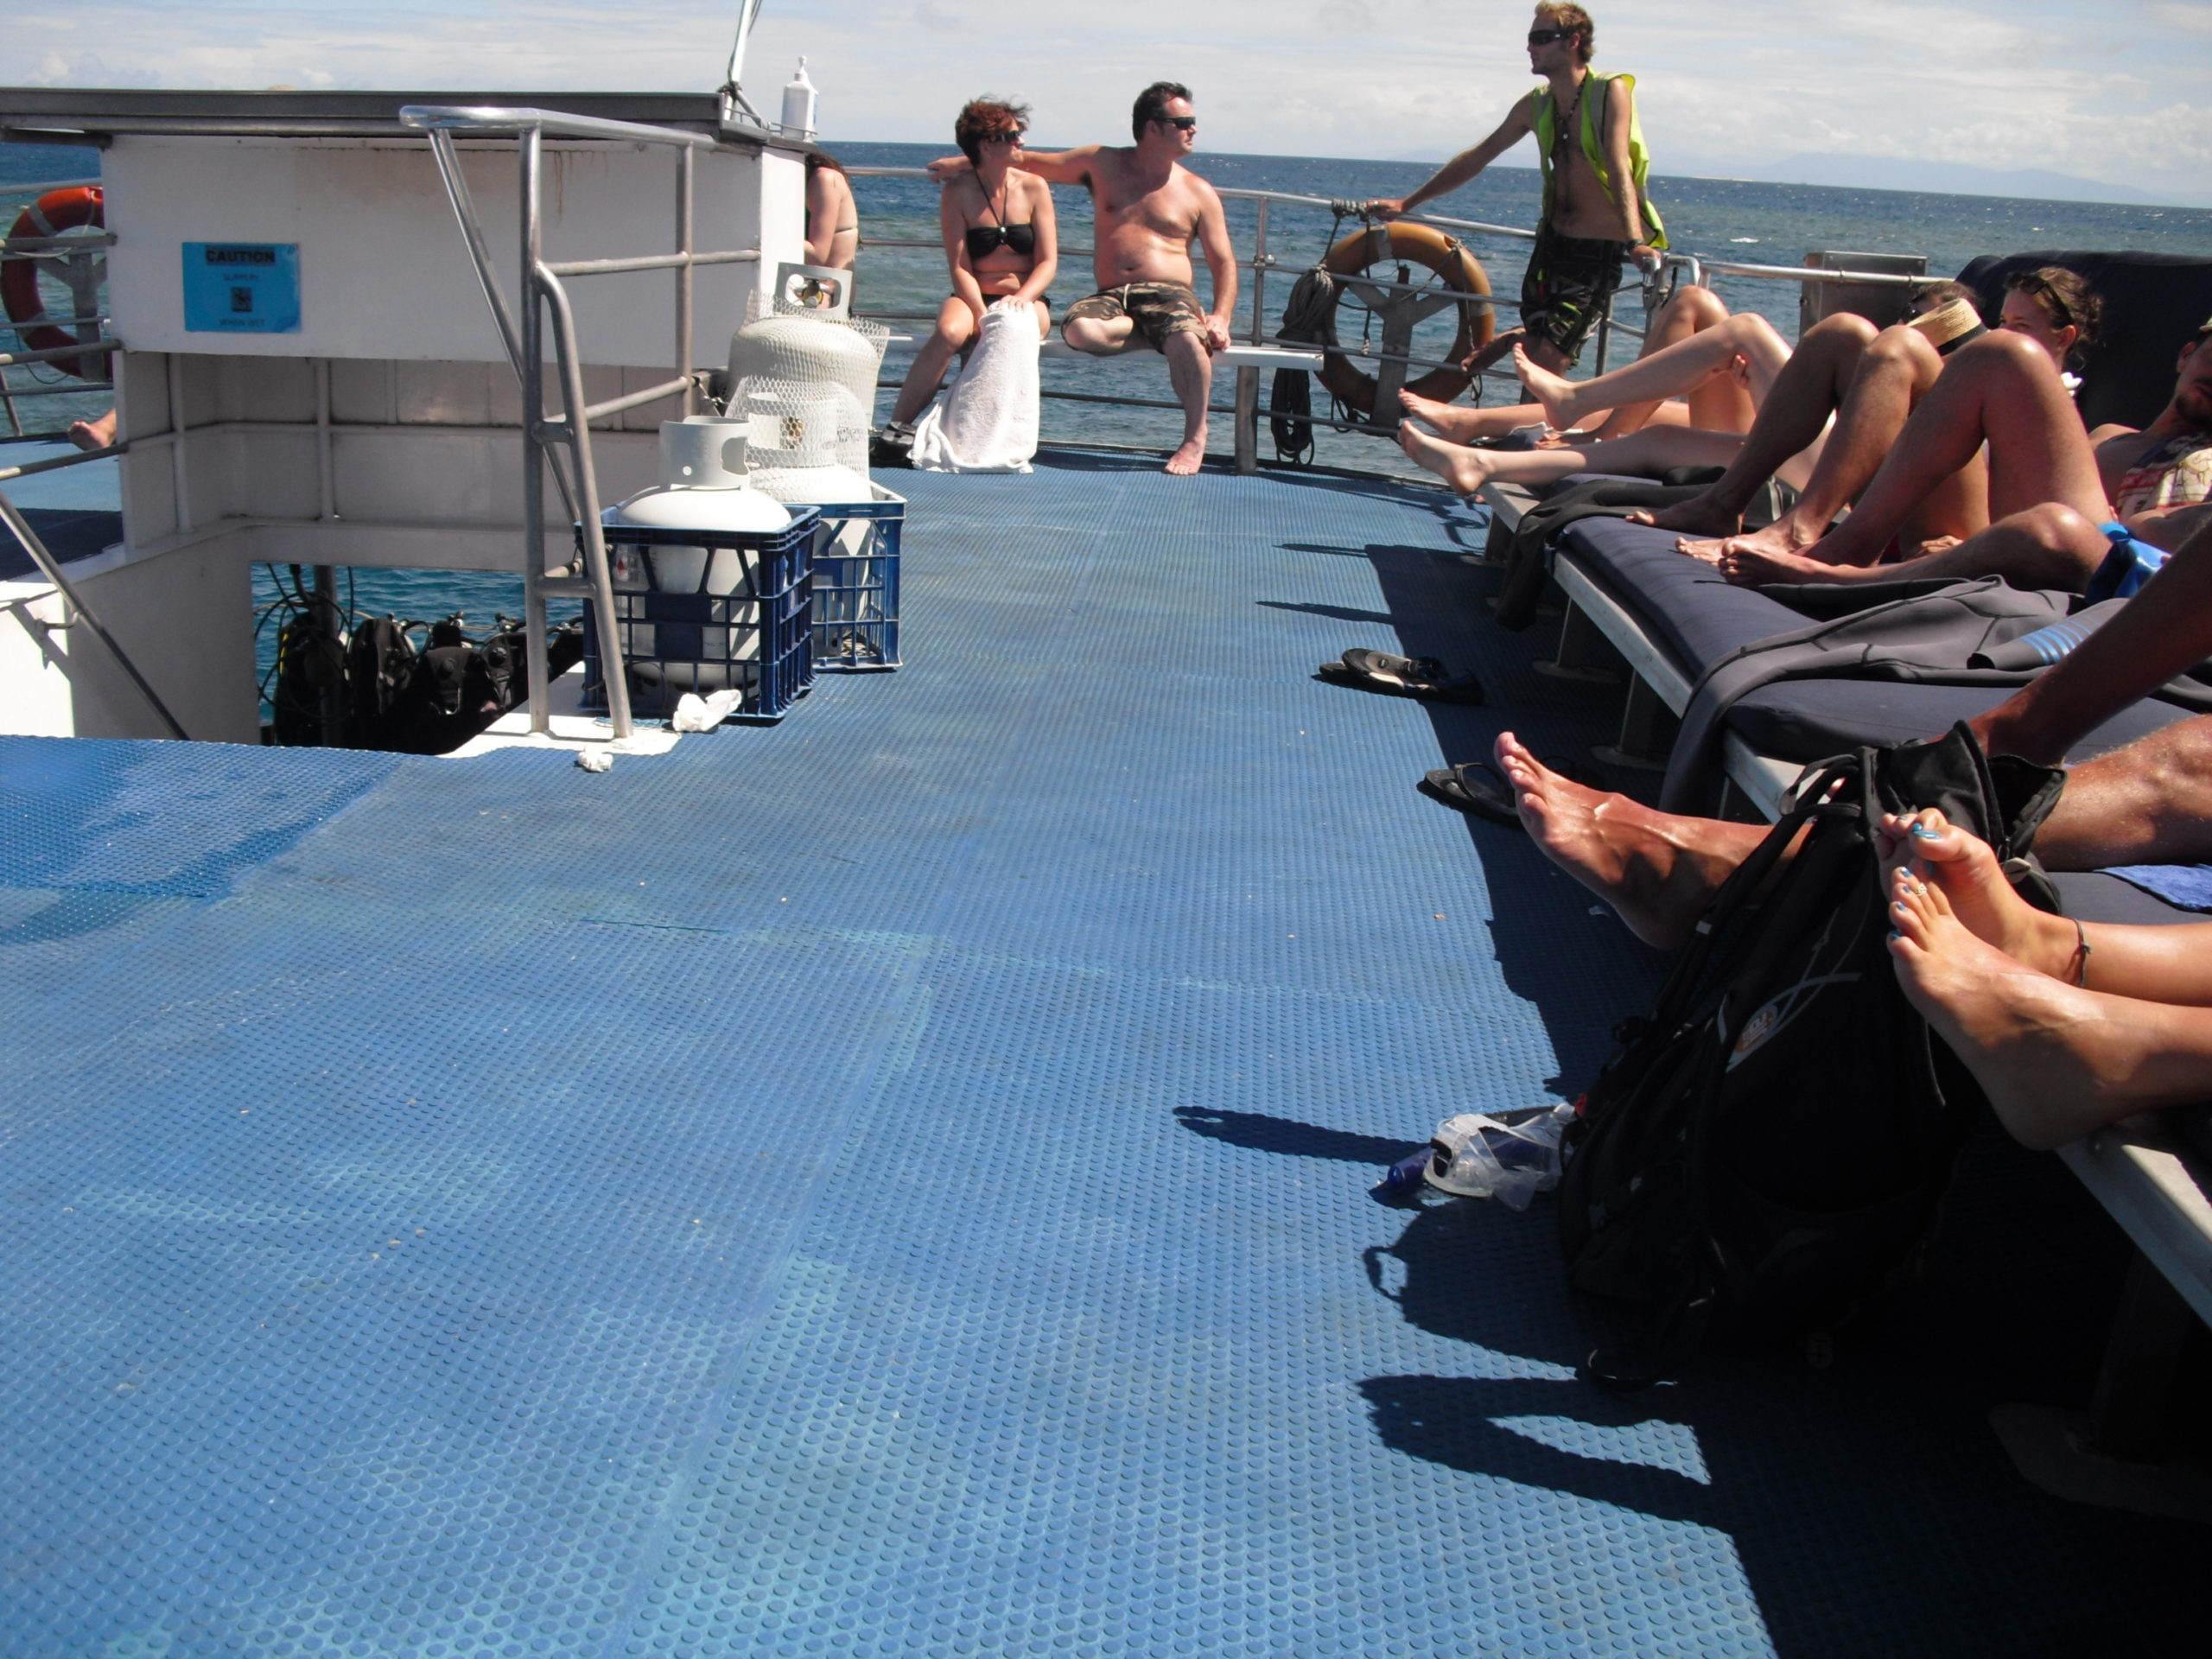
(1149, 208)
(1596, 214)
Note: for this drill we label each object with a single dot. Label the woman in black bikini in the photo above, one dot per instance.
(1001, 241)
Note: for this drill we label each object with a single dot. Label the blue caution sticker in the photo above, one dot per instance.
(242, 288)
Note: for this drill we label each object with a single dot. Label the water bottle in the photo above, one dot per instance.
(799, 104)
(1405, 1181)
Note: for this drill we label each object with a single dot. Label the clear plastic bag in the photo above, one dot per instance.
(1509, 1156)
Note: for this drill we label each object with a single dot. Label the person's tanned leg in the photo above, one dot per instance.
(1189, 367)
(1897, 369)
(2057, 1061)
(1651, 451)
(1657, 869)
(1678, 368)
(1806, 391)
(2150, 803)
(955, 326)
(2049, 546)
(2000, 389)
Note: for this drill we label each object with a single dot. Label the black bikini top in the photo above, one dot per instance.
(987, 239)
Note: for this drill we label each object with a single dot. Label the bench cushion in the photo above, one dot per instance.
(1810, 720)
(2093, 896)
(1688, 611)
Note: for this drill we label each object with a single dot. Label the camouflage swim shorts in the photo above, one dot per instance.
(1157, 309)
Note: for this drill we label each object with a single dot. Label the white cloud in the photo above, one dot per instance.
(2061, 86)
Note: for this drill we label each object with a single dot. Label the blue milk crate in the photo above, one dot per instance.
(756, 635)
(856, 584)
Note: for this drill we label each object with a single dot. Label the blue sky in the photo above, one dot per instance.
(2120, 92)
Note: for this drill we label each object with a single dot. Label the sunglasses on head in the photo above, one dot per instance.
(1180, 122)
(1546, 36)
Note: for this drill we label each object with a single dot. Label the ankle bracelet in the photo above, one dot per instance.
(2080, 953)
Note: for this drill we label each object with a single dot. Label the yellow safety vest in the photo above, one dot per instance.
(1592, 112)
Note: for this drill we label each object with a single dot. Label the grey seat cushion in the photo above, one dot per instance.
(2093, 896)
(1810, 720)
(1687, 610)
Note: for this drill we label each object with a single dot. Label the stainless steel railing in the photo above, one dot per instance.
(551, 440)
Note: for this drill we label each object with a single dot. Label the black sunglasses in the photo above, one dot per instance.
(1546, 36)
(1181, 123)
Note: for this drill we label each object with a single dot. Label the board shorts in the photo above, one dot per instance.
(1157, 309)
(1564, 291)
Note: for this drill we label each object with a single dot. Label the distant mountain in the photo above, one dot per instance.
(1947, 178)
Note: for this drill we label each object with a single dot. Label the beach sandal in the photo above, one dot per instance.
(1402, 677)
(1475, 787)
(1478, 788)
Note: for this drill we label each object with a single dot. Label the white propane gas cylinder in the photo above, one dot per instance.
(797, 433)
(704, 485)
(786, 348)
(799, 104)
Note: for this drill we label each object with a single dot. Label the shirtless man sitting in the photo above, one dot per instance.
(1148, 206)
(2064, 500)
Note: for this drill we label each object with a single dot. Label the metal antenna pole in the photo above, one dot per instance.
(749, 12)
(531, 363)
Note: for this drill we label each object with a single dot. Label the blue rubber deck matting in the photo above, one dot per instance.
(894, 1183)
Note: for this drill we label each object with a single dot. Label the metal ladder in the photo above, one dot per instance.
(562, 441)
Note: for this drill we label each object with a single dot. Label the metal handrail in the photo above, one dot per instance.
(50, 567)
(547, 435)
(500, 118)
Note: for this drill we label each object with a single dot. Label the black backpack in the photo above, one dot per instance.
(1769, 1146)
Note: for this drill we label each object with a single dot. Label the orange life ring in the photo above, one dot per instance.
(77, 208)
(1418, 244)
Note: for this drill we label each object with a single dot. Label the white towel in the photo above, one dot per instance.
(987, 421)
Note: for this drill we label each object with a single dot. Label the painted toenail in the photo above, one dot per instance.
(1924, 832)
(1895, 935)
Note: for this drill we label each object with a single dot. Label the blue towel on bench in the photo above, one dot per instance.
(2187, 887)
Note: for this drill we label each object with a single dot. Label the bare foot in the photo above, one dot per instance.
(1699, 516)
(1782, 537)
(1554, 391)
(1928, 847)
(2030, 1041)
(1659, 871)
(93, 435)
(1437, 415)
(1465, 470)
(1748, 565)
(1187, 460)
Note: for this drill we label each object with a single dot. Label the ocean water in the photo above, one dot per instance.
(1773, 223)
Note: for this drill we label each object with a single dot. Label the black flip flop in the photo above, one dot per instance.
(1475, 787)
(1402, 677)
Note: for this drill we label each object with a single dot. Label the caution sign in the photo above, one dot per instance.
(242, 288)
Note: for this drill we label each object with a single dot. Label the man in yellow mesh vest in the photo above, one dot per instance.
(1596, 214)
